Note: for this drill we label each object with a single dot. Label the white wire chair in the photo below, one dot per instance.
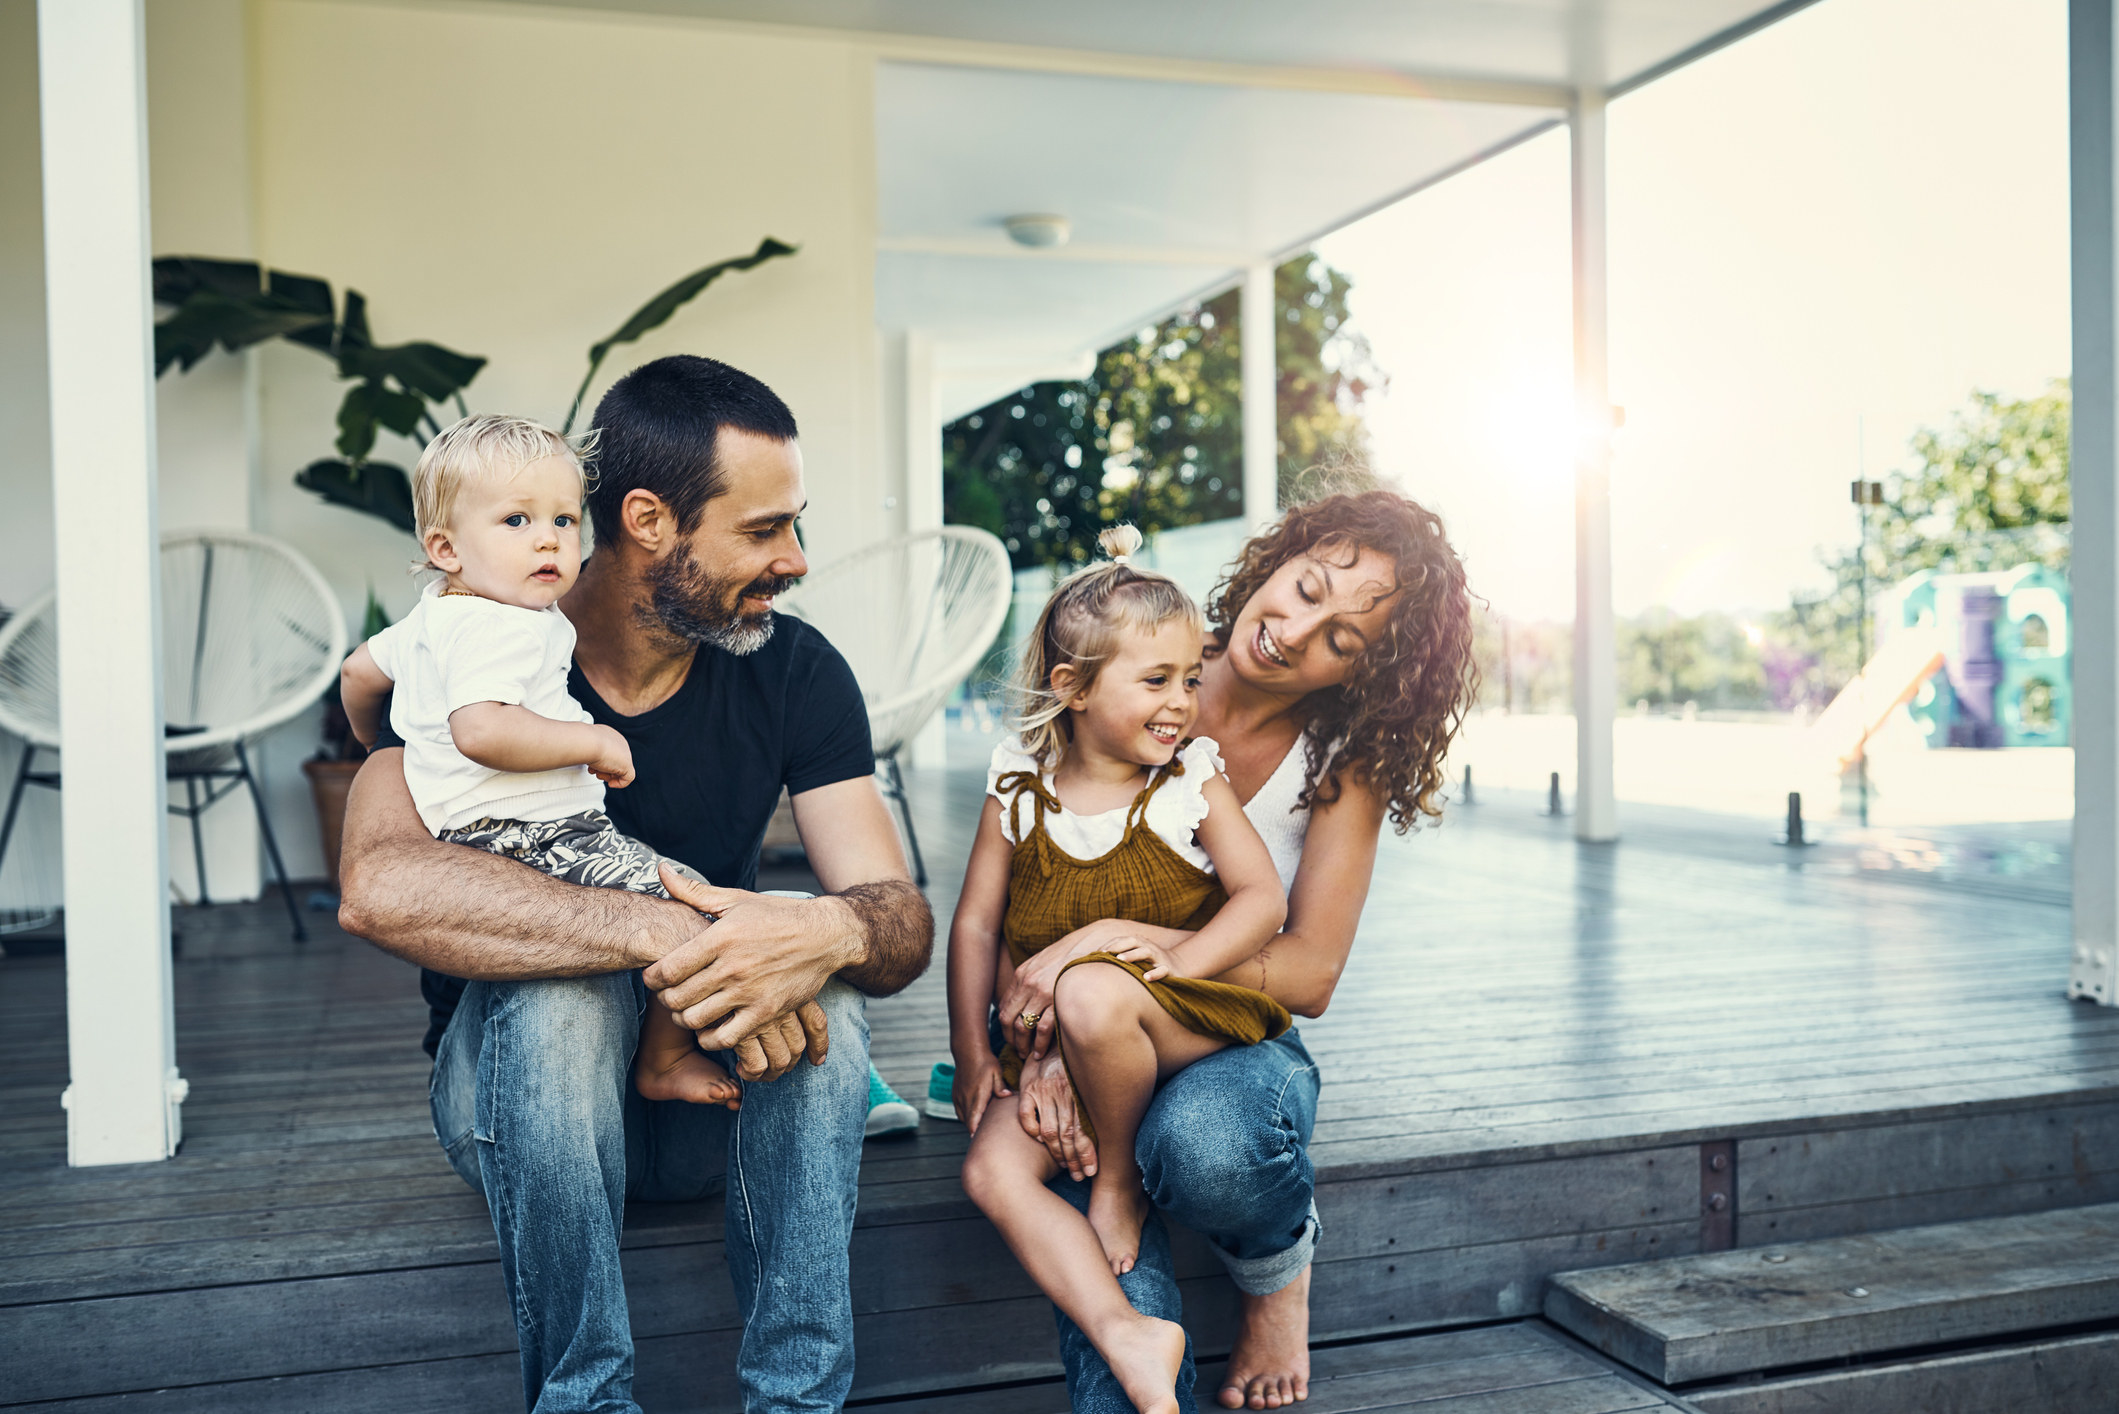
(912, 616)
(251, 637)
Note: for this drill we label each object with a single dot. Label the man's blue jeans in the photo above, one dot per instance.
(534, 1104)
(1223, 1149)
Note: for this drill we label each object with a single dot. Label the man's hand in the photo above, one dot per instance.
(761, 960)
(776, 1046)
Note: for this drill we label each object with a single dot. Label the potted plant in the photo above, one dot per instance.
(233, 304)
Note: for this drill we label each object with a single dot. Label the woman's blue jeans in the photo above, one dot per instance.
(534, 1103)
(1224, 1150)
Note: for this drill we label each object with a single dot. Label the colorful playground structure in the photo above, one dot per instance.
(1977, 660)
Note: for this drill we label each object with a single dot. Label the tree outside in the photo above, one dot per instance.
(1988, 491)
(1154, 435)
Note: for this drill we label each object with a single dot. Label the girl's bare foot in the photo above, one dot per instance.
(1117, 1210)
(691, 1076)
(1145, 1355)
(1270, 1365)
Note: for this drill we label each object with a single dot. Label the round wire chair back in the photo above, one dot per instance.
(912, 617)
(251, 636)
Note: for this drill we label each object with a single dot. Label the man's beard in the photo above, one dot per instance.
(694, 605)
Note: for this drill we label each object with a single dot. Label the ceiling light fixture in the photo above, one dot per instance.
(1038, 230)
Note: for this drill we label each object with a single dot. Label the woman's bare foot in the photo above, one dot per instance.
(691, 1076)
(1270, 1365)
(1117, 1210)
(1145, 1355)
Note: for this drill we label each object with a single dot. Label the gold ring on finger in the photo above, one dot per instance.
(1029, 1018)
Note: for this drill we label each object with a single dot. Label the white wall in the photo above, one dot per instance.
(508, 184)
(25, 434)
(515, 185)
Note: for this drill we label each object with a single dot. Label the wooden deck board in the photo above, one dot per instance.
(1730, 1313)
(1531, 1040)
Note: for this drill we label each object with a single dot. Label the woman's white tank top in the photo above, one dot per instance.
(1278, 819)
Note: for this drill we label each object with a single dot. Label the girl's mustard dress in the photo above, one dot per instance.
(1145, 877)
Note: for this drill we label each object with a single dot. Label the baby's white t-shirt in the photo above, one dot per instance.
(456, 649)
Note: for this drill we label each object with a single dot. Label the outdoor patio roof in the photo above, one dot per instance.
(1183, 144)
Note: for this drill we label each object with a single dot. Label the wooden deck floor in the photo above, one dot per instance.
(1531, 1047)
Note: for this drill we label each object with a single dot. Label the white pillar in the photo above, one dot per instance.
(1596, 646)
(923, 500)
(122, 1102)
(2093, 474)
(923, 436)
(1256, 318)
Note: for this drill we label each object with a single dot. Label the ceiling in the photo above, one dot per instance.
(1182, 141)
(1551, 41)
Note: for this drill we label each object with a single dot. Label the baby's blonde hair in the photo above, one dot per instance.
(1082, 624)
(484, 444)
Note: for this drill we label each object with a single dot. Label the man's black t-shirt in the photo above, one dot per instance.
(711, 761)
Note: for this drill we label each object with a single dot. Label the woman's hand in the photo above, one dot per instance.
(1046, 1107)
(977, 1085)
(1026, 999)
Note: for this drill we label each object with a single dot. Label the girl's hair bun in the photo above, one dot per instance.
(1120, 541)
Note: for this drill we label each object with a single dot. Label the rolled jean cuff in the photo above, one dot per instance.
(1262, 1276)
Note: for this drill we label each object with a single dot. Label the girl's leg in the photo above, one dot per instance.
(1005, 1173)
(672, 1067)
(1119, 1043)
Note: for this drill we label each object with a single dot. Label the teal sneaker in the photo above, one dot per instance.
(941, 1091)
(887, 1111)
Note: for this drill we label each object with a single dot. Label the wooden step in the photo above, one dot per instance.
(1524, 1368)
(1695, 1318)
(2071, 1375)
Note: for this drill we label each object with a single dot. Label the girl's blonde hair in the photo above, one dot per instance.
(1082, 624)
(481, 445)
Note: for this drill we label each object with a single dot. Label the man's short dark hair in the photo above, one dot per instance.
(657, 427)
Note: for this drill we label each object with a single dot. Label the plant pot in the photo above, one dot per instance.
(330, 781)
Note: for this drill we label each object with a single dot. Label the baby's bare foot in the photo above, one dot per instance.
(1145, 1355)
(692, 1076)
(1270, 1366)
(1117, 1209)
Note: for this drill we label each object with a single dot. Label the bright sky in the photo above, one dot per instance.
(1821, 239)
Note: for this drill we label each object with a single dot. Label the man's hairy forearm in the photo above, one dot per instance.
(471, 914)
(899, 930)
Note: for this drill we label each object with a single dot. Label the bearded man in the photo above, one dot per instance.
(698, 482)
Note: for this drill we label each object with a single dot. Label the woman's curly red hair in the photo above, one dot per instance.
(1404, 701)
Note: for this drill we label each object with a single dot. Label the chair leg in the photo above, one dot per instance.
(14, 800)
(198, 838)
(894, 787)
(272, 845)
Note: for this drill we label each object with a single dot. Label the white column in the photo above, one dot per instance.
(1261, 398)
(2093, 474)
(923, 436)
(1596, 649)
(923, 501)
(122, 1102)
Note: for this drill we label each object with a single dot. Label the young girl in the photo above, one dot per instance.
(498, 754)
(1099, 810)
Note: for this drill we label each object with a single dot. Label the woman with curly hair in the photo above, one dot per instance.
(1339, 669)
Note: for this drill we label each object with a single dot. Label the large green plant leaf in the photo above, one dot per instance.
(368, 404)
(206, 319)
(378, 488)
(226, 303)
(657, 311)
(178, 277)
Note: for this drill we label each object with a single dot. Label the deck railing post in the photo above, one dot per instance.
(124, 1091)
(1596, 644)
(2093, 472)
